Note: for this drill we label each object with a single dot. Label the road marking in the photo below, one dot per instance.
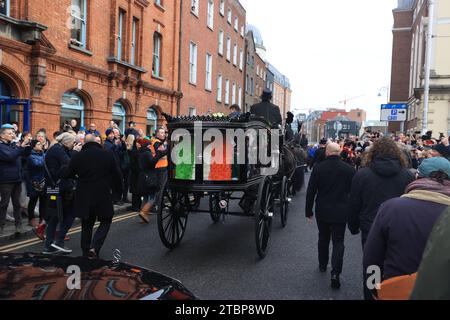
(32, 242)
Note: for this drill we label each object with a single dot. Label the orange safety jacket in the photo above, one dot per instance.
(164, 161)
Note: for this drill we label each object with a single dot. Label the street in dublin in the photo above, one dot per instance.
(233, 157)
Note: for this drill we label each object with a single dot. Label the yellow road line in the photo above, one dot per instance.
(31, 242)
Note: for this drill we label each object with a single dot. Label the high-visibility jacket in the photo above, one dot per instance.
(164, 161)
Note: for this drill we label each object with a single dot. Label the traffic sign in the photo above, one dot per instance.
(394, 112)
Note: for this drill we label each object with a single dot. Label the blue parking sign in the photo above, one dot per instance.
(394, 112)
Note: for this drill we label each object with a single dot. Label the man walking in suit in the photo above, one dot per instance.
(329, 186)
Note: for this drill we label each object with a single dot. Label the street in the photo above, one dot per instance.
(219, 261)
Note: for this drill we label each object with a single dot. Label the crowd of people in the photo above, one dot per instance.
(98, 170)
(390, 189)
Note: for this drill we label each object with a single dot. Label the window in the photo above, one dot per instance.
(192, 111)
(152, 122)
(229, 16)
(72, 107)
(233, 94)
(222, 8)
(194, 6)
(257, 70)
(236, 24)
(247, 84)
(193, 63)
(227, 92)
(235, 52)
(156, 66)
(159, 3)
(208, 76)
(210, 13)
(119, 115)
(134, 39)
(241, 63)
(78, 21)
(219, 88)
(252, 86)
(242, 31)
(120, 34)
(221, 42)
(240, 96)
(228, 49)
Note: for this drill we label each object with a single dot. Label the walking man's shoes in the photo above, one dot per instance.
(335, 282)
(62, 249)
(322, 269)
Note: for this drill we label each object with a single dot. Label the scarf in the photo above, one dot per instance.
(429, 190)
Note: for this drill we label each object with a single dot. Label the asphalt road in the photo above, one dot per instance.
(219, 261)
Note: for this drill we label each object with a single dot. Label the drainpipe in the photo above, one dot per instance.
(429, 55)
(179, 58)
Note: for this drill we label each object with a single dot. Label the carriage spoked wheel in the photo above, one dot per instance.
(214, 207)
(263, 217)
(172, 218)
(284, 201)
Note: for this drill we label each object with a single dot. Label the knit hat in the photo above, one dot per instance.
(431, 165)
(108, 132)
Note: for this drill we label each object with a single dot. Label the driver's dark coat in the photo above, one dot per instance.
(268, 111)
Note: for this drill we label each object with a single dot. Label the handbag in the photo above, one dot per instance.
(149, 180)
(38, 186)
(54, 197)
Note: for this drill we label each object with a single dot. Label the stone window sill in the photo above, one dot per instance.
(80, 49)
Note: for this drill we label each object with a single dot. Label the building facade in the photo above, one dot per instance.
(408, 77)
(212, 60)
(281, 90)
(256, 72)
(88, 60)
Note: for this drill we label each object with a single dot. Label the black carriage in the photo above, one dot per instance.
(192, 177)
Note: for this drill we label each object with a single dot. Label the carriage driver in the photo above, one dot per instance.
(267, 110)
(271, 113)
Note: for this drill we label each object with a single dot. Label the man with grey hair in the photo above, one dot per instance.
(57, 160)
(329, 186)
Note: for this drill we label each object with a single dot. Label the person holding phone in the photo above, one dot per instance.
(11, 174)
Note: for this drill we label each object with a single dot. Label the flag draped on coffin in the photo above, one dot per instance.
(186, 171)
(219, 165)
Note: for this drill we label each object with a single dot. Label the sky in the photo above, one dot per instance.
(330, 50)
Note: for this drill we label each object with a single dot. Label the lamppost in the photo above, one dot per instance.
(380, 93)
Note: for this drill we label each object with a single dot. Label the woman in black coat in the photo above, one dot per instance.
(97, 174)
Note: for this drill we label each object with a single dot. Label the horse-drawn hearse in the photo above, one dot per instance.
(221, 158)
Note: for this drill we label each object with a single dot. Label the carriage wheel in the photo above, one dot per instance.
(172, 218)
(284, 203)
(263, 218)
(214, 207)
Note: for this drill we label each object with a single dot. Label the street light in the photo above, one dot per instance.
(380, 93)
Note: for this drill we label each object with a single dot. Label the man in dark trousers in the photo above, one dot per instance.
(329, 186)
(267, 110)
(97, 174)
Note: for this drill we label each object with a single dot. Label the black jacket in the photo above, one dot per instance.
(57, 160)
(331, 182)
(268, 111)
(383, 180)
(97, 173)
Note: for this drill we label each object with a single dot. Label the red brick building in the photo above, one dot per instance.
(256, 71)
(212, 56)
(90, 60)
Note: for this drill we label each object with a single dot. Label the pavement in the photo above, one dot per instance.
(219, 261)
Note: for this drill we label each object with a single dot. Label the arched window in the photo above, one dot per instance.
(5, 91)
(119, 116)
(72, 107)
(152, 122)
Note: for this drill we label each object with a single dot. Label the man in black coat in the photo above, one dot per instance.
(319, 155)
(97, 174)
(267, 110)
(329, 186)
